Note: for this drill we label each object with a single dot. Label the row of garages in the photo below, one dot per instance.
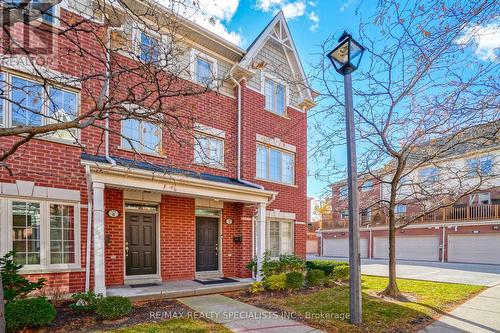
(464, 248)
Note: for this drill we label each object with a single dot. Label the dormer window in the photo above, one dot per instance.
(148, 48)
(275, 96)
(203, 72)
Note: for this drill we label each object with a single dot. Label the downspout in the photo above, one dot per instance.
(369, 242)
(442, 248)
(89, 228)
(106, 121)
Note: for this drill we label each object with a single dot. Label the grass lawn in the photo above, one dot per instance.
(429, 300)
(175, 326)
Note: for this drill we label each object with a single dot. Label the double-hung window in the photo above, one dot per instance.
(148, 48)
(208, 150)
(275, 165)
(280, 237)
(27, 103)
(482, 166)
(44, 234)
(141, 136)
(275, 94)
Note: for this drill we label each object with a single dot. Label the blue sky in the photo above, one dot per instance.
(310, 22)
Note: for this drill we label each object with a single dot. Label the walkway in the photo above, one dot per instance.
(241, 317)
(479, 315)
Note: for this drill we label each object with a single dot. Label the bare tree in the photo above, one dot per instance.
(422, 97)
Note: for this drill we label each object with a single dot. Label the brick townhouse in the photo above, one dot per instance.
(101, 216)
(468, 231)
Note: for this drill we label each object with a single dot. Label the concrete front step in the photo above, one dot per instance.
(176, 289)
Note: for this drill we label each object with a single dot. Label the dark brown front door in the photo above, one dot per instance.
(140, 243)
(207, 238)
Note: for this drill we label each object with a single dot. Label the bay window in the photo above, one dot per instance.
(279, 237)
(141, 136)
(275, 165)
(26, 102)
(43, 234)
(275, 94)
(208, 150)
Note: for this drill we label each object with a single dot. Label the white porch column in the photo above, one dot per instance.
(99, 265)
(261, 237)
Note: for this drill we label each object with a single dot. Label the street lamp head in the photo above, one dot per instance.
(346, 56)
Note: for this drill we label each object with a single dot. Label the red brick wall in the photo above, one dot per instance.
(114, 237)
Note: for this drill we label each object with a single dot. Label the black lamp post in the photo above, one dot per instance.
(345, 57)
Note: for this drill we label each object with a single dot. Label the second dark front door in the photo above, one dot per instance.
(140, 243)
(207, 238)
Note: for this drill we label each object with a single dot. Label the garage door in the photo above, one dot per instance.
(312, 246)
(339, 247)
(408, 248)
(480, 249)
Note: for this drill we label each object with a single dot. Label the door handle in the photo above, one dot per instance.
(126, 249)
(216, 248)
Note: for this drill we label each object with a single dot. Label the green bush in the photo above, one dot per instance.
(256, 288)
(315, 277)
(284, 264)
(113, 307)
(326, 266)
(85, 302)
(340, 273)
(276, 282)
(294, 280)
(15, 286)
(28, 313)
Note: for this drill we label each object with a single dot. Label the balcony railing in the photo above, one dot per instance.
(443, 215)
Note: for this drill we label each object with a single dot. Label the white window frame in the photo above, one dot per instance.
(7, 105)
(140, 149)
(275, 80)
(268, 235)
(479, 161)
(152, 37)
(268, 165)
(195, 54)
(396, 210)
(45, 265)
(344, 214)
(205, 162)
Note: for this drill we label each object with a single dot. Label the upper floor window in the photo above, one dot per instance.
(203, 71)
(28, 103)
(344, 214)
(367, 186)
(275, 94)
(148, 48)
(50, 15)
(481, 166)
(429, 175)
(343, 192)
(141, 136)
(400, 209)
(208, 150)
(275, 165)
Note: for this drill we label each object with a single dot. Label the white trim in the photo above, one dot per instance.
(212, 131)
(203, 56)
(276, 142)
(27, 189)
(277, 214)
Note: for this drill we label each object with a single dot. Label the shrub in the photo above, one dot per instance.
(256, 288)
(14, 285)
(276, 282)
(340, 273)
(85, 302)
(27, 313)
(324, 265)
(294, 280)
(291, 263)
(315, 277)
(113, 307)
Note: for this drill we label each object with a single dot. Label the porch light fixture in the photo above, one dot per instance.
(346, 56)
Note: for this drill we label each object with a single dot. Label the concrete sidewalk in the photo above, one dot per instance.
(478, 315)
(241, 317)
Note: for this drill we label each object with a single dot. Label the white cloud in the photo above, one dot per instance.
(346, 5)
(486, 40)
(294, 9)
(315, 21)
(210, 14)
(266, 5)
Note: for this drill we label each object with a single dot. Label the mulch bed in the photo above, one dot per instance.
(68, 320)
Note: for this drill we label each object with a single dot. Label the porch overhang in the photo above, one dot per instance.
(174, 184)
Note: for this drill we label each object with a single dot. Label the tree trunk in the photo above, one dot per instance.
(2, 310)
(392, 289)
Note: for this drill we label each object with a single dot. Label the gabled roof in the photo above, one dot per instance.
(277, 29)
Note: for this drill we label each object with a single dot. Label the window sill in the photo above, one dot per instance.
(284, 116)
(275, 182)
(48, 270)
(222, 168)
(60, 141)
(157, 155)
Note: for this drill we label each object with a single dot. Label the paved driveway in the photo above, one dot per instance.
(484, 275)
